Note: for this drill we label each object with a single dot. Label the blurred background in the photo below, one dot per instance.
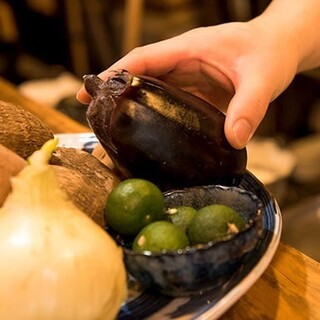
(46, 46)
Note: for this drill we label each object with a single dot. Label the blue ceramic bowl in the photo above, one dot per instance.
(202, 267)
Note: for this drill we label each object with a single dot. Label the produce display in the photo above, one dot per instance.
(60, 207)
(82, 176)
(199, 267)
(136, 207)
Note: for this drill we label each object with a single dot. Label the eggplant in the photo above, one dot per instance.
(157, 132)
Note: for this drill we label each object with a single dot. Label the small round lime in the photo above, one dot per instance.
(213, 222)
(160, 235)
(181, 216)
(133, 204)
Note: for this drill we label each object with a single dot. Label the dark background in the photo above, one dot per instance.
(86, 37)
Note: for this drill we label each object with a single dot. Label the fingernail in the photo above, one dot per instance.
(82, 96)
(242, 132)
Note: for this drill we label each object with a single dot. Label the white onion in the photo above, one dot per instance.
(56, 263)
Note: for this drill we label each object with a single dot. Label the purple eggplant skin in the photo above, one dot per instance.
(157, 132)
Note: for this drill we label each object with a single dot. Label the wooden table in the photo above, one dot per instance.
(288, 289)
(58, 122)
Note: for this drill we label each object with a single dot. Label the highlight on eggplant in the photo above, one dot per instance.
(161, 133)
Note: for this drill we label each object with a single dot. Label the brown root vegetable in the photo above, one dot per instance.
(21, 131)
(84, 162)
(86, 180)
(80, 190)
(10, 165)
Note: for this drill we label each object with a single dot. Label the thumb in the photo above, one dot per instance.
(245, 112)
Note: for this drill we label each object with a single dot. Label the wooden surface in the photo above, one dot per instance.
(58, 122)
(289, 288)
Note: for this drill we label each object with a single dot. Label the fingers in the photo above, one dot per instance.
(160, 58)
(245, 112)
(82, 96)
(155, 60)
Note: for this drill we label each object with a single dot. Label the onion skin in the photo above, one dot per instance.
(160, 133)
(86, 180)
(57, 263)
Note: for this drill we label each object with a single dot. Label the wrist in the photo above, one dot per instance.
(295, 25)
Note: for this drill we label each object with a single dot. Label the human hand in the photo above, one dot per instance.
(238, 67)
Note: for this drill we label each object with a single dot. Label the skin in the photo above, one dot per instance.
(239, 67)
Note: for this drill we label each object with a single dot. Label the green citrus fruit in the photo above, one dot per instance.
(181, 216)
(133, 204)
(160, 235)
(213, 222)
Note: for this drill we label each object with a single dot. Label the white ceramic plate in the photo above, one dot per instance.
(212, 304)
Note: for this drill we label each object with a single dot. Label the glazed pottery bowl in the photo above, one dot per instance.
(202, 267)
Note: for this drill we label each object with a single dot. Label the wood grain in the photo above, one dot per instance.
(289, 289)
(58, 122)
